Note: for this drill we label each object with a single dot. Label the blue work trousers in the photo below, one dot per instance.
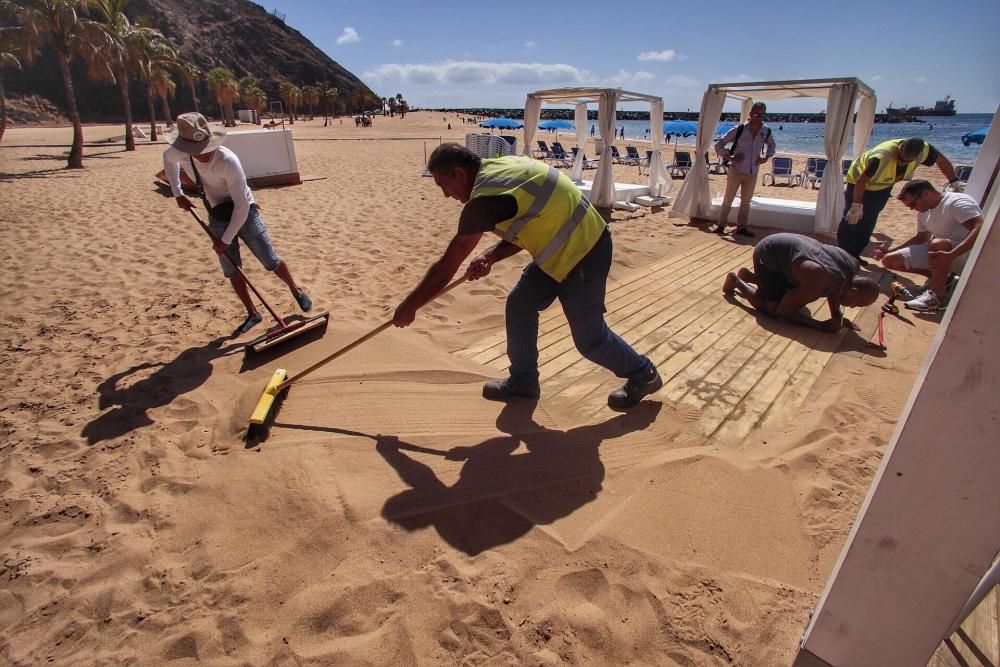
(854, 238)
(582, 297)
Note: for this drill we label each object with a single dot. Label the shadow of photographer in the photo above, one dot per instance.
(559, 472)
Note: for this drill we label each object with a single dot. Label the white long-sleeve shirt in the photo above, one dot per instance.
(223, 179)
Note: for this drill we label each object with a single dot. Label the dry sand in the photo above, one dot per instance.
(393, 516)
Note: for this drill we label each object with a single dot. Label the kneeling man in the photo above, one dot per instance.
(947, 226)
(791, 270)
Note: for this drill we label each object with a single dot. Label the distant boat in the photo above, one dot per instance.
(945, 107)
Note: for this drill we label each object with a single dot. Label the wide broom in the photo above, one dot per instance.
(280, 381)
(285, 330)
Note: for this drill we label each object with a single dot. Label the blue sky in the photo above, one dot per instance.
(490, 54)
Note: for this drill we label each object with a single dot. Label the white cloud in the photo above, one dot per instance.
(665, 56)
(396, 42)
(682, 80)
(467, 72)
(877, 77)
(642, 77)
(530, 46)
(348, 36)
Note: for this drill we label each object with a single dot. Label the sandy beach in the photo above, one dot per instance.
(392, 516)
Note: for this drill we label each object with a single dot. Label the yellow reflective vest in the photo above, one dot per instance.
(554, 221)
(887, 155)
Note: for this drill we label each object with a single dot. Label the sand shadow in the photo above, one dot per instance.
(502, 490)
(125, 409)
(6, 177)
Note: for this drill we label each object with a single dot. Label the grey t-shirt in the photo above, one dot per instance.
(779, 252)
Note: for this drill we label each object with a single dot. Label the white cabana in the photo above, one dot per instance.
(842, 96)
(607, 99)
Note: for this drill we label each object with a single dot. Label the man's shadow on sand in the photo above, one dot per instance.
(129, 405)
(560, 472)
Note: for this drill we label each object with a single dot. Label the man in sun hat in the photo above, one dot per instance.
(869, 186)
(233, 213)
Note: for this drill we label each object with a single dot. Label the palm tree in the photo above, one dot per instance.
(124, 44)
(327, 95)
(153, 50)
(162, 84)
(191, 74)
(290, 95)
(253, 95)
(9, 47)
(223, 83)
(310, 96)
(59, 22)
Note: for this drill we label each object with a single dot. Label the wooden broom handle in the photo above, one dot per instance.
(371, 334)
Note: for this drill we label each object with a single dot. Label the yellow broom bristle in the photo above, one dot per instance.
(260, 412)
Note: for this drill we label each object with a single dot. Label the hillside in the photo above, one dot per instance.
(237, 34)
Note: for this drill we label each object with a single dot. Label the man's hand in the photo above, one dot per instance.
(831, 325)
(404, 315)
(854, 214)
(479, 267)
(761, 160)
(848, 324)
(185, 203)
(219, 247)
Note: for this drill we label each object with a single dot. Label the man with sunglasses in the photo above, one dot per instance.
(751, 144)
(869, 186)
(947, 226)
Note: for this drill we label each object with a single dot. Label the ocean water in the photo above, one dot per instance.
(944, 133)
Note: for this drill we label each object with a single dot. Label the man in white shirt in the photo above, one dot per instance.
(947, 226)
(233, 213)
(751, 145)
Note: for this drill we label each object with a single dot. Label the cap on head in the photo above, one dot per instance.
(193, 135)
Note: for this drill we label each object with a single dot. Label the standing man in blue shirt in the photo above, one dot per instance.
(751, 144)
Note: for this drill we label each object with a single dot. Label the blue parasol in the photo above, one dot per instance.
(502, 123)
(975, 137)
(679, 128)
(722, 128)
(556, 124)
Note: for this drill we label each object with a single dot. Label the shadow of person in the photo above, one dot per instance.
(129, 405)
(502, 491)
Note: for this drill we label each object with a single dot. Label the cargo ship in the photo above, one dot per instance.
(945, 107)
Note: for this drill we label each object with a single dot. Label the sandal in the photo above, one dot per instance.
(249, 323)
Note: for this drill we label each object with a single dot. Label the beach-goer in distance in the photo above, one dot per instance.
(869, 186)
(791, 270)
(751, 144)
(947, 226)
(534, 207)
(233, 214)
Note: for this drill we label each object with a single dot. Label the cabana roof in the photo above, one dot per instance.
(786, 90)
(575, 95)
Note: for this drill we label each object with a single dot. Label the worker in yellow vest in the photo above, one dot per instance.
(532, 206)
(869, 186)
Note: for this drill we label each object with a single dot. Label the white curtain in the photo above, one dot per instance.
(745, 107)
(581, 141)
(694, 199)
(863, 124)
(839, 115)
(602, 194)
(659, 183)
(532, 112)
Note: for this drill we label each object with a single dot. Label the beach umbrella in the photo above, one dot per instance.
(679, 128)
(975, 137)
(556, 124)
(502, 123)
(722, 128)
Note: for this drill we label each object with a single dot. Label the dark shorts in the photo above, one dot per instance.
(771, 285)
(254, 234)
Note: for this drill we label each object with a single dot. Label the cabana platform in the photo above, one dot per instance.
(727, 367)
(626, 192)
(787, 214)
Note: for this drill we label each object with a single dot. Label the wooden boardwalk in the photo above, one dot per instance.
(739, 369)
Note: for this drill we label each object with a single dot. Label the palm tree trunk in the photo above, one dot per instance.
(127, 108)
(3, 110)
(76, 151)
(152, 113)
(166, 109)
(194, 96)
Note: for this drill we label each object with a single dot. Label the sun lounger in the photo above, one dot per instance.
(781, 167)
(682, 163)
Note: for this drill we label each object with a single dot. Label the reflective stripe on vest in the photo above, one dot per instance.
(887, 154)
(554, 221)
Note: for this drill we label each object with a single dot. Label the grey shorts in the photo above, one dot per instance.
(254, 234)
(918, 257)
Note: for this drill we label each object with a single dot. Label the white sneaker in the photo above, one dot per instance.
(925, 303)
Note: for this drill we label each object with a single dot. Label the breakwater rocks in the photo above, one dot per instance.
(568, 114)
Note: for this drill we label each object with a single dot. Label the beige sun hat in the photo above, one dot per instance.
(193, 135)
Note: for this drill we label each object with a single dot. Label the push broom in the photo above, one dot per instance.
(285, 330)
(280, 381)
